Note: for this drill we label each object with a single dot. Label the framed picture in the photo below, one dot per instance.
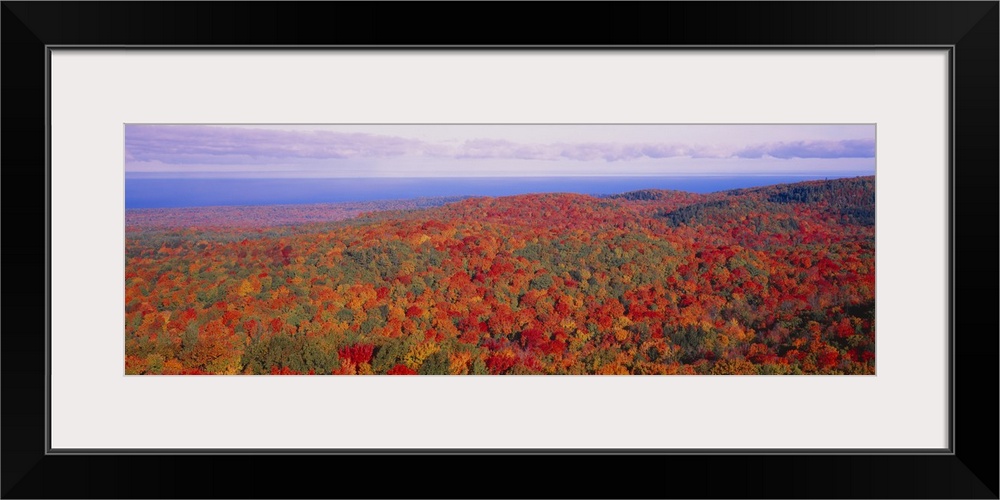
(718, 253)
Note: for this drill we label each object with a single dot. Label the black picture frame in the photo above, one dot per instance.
(968, 470)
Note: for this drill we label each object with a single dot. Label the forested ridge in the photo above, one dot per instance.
(771, 280)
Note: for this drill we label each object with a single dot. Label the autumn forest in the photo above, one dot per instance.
(770, 280)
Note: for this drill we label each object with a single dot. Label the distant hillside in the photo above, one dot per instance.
(652, 195)
(851, 199)
(259, 216)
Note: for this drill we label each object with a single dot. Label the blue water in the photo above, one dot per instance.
(161, 193)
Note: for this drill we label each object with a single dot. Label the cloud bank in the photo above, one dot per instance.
(166, 145)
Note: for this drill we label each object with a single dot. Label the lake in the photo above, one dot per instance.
(164, 193)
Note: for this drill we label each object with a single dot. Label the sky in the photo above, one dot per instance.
(363, 151)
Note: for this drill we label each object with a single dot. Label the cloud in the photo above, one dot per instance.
(612, 152)
(851, 148)
(583, 151)
(155, 147)
(201, 144)
(493, 148)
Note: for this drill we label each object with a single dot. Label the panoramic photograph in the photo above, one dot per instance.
(555, 249)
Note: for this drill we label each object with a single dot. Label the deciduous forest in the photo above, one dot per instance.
(770, 280)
